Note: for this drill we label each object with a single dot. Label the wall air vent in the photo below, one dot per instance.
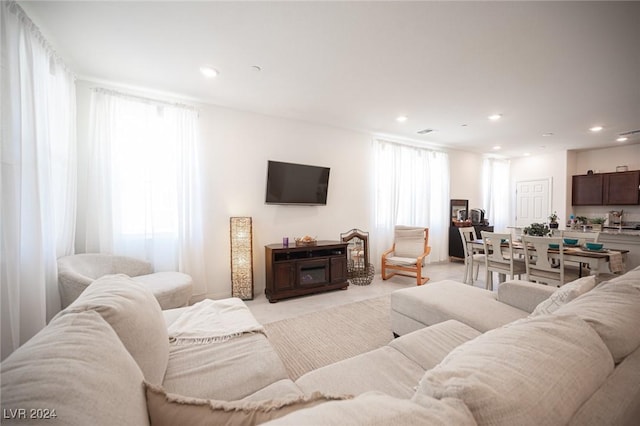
(629, 133)
(424, 131)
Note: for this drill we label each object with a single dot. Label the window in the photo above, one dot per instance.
(143, 180)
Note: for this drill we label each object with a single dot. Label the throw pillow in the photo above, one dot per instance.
(565, 294)
(535, 371)
(613, 310)
(135, 315)
(171, 409)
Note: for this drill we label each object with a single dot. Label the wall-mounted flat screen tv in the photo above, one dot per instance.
(289, 183)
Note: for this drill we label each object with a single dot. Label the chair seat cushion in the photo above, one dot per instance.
(172, 289)
(401, 261)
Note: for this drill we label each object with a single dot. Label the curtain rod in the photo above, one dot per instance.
(143, 99)
(22, 16)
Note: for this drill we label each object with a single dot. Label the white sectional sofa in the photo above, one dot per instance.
(106, 359)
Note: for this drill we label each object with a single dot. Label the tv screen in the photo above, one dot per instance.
(289, 183)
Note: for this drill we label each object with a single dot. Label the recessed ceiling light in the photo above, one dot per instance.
(548, 134)
(256, 68)
(622, 139)
(596, 128)
(526, 154)
(209, 71)
(402, 118)
(497, 147)
(495, 117)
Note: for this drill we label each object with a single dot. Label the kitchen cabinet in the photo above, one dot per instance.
(587, 190)
(622, 188)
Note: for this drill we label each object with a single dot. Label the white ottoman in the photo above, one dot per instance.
(172, 289)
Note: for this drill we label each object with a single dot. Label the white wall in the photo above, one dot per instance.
(236, 147)
(466, 177)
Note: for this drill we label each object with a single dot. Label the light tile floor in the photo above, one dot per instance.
(266, 312)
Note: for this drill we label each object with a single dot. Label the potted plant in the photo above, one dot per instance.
(597, 222)
(553, 220)
(537, 230)
(581, 220)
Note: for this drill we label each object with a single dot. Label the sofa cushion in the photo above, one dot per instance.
(135, 315)
(277, 389)
(445, 300)
(565, 294)
(374, 408)
(523, 295)
(613, 310)
(536, 371)
(78, 367)
(172, 409)
(227, 370)
(428, 346)
(362, 373)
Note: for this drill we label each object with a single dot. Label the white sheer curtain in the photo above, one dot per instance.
(411, 188)
(38, 176)
(143, 183)
(496, 189)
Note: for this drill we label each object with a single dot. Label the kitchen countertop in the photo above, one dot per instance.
(630, 232)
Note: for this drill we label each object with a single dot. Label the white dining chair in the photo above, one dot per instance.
(471, 259)
(542, 267)
(498, 249)
(582, 237)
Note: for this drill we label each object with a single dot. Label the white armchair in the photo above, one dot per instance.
(76, 272)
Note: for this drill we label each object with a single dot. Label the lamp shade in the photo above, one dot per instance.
(241, 258)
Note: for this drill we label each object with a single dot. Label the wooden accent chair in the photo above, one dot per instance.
(408, 254)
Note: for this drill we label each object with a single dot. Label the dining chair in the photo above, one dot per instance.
(471, 259)
(546, 268)
(499, 258)
(408, 254)
(582, 237)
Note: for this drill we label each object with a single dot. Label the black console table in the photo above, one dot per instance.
(304, 269)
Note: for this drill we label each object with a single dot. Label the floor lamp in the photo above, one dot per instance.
(241, 258)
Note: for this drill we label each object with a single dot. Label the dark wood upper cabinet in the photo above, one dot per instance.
(609, 189)
(587, 190)
(622, 188)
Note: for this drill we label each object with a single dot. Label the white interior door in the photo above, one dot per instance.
(533, 201)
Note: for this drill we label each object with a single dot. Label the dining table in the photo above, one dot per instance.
(597, 261)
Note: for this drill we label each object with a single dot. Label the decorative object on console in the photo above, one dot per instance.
(359, 270)
(241, 258)
(306, 241)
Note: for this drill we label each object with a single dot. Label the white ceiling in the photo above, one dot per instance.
(558, 67)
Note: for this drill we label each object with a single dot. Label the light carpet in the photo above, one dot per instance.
(321, 338)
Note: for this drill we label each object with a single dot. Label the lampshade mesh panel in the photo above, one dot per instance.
(241, 258)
